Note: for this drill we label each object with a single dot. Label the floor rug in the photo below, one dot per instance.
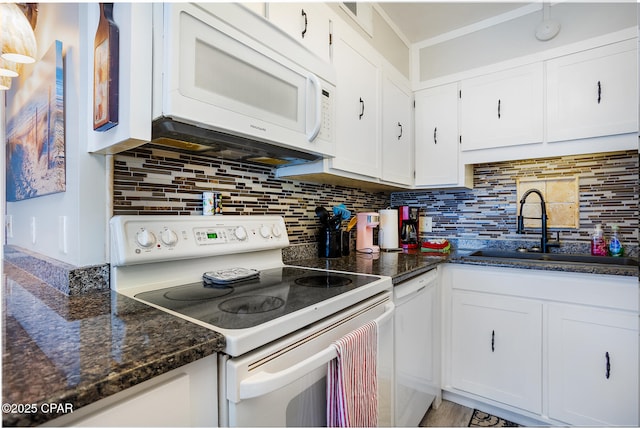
(482, 419)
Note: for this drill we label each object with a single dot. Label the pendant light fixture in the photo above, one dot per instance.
(548, 28)
(17, 39)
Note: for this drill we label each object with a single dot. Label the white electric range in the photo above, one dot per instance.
(278, 324)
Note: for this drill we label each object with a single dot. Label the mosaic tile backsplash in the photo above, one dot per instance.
(152, 180)
(608, 194)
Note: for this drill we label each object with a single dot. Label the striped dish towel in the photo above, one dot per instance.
(352, 383)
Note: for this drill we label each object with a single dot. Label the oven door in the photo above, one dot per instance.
(284, 384)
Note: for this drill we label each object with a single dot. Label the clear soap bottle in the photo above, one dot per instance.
(615, 247)
(598, 244)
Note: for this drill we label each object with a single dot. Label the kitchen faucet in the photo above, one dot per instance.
(544, 244)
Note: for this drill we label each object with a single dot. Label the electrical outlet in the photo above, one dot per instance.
(33, 230)
(62, 233)
(9, 225)
(426, 224)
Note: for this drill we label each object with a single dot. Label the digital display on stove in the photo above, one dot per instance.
(212, 235)
(276, 292)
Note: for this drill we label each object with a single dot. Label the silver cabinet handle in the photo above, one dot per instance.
(400, 125)
(361, 109)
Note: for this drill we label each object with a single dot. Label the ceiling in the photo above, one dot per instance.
(423, 20)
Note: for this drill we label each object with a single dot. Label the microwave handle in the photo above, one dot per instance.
(263, 383)
(313, 79)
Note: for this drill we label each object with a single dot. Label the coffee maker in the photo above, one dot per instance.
(364, 237)
(408, 226)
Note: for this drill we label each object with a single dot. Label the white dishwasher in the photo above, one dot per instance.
(417, 349)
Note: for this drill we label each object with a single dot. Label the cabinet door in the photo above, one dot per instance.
(397, 150)
(593, 93)
(309, 23)
(437, 146)
(593, 366)
(502, 109)
(497, 348)
(357, 111)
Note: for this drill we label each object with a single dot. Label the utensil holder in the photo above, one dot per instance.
(330, 243)
(346, 243)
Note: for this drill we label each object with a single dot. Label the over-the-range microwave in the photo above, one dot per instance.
(226, 79)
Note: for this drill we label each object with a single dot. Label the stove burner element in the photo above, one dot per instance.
(251, 304)
(186, 294)
(323, 281)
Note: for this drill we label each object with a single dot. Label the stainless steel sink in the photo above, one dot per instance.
(553, 257)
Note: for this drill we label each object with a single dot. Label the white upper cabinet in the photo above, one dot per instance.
(502, 109)
(357, 109)
(397, 147)
(593, 93)
(308, 23)
(437, 145)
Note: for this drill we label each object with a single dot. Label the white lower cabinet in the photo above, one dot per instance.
(184, 397)
(546, 346)
(496, 348)
(593, 366)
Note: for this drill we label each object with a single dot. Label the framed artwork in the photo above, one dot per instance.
(36, 158)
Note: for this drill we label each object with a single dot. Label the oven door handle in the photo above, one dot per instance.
(263, 383)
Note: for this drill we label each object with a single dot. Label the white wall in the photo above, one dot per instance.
(82, 206)
(516, 37)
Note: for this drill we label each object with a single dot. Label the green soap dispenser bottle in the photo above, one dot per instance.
(615, 247)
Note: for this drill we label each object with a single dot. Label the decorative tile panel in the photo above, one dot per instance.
(561, 196)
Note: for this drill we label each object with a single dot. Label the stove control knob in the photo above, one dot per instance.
(240, 233)
(276, 231)
(145, 238)
(265, 231)
(168, 237)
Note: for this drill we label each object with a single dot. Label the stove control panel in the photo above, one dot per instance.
(144, 239)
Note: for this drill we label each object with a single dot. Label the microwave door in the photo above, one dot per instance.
(233, 84)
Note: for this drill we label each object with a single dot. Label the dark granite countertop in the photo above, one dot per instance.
(401, 266)
(600, 269)
(79, 349)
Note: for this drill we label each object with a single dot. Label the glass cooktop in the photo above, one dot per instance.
(276, 292)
